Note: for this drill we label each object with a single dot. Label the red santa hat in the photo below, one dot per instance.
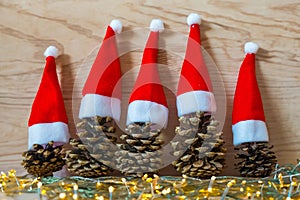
(102, 89)
(195, 92)
(48, 120)
(147, 102)
(248, 119)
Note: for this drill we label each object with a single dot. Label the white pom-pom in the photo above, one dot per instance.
(193, 18)
(251, 47)
(51, 51)
(116, 25)
(157, 25)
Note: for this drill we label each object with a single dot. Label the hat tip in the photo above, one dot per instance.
(251, 47)
(156, 25)
(116, 25)
(51, 51)
(193, 18)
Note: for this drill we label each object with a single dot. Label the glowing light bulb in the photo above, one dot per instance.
(62, 195)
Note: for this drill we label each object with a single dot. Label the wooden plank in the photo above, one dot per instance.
(77, 28)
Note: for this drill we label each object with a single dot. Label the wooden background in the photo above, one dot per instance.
(77, 28)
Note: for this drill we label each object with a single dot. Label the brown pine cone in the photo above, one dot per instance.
(91, 154)
(139, 153)
(205, 155)
(94, 127)
(98, 134)
(80, 162)
(42, 161)
(256, 159)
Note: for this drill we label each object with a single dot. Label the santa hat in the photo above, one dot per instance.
(48, 120)
(147, 102)
(248, 119)
(195, 92)
(102, 89)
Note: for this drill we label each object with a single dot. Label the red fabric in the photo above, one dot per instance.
(195, 33)
(247, 103)
(48, 105)
(148, 85)
(151, 49)
(190, 79)
(105, 72)
(194, 74)
(149, 92)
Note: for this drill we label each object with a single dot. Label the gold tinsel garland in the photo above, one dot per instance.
(284, 184)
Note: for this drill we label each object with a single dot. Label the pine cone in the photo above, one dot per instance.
(256, 159)
(42, 161)
(94, 148)
(206, 155)
(99, 137)
(140, 151)
(80, 162)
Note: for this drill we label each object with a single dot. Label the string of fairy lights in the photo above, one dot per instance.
(284, 184)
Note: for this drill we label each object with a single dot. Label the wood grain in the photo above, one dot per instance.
(77, 28)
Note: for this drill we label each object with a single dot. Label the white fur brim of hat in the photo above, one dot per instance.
(249, 131)
(99, 105)
(194, 101)
(43, 133)
(147, 111)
